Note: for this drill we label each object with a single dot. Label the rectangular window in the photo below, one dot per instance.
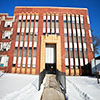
(75, 39)
(78, 26)
(32, 23)
(26, 37)
(81, 54)
(25, 51)
(44, 24)
(15, 52)
(66, 39)
(34, 52)
(36, 24)
(23, 25)
(82, 25)
(71, 53)
(30, 51)
(20, 51)
(48, 25)
(79, 38)
(31, 37)
(76, 53)
(65, 25)
(69, 24)
(74, 26)
(70, 38)
(66, 52)
(57, 24)
(28, 24)
(17, 37)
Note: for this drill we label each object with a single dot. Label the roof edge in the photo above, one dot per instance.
(49, 7)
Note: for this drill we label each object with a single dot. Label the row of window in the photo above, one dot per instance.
(21, 35)
(76, 62)
(51, 25)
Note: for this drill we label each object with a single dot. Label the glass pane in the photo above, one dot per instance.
(57, 24)
(17, 37)
(36, 24)
(27, 24)
(25, 51)
(69, 25)
(32, 24)
(23, 25)
(30, 51)
(75, 39)
(15, 52)
(26, 37)
(20, 52)
(34, 52)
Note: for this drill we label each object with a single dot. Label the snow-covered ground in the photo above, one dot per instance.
(82, 88)
(25, 87)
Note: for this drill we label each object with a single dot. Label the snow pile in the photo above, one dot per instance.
(25, 87)
(30, 92)
(82, 88)
(82, 94)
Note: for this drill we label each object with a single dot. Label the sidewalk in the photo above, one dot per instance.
(52, 90)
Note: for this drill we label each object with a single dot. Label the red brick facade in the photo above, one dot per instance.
(41, 11)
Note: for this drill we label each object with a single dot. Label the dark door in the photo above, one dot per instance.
(50, 59)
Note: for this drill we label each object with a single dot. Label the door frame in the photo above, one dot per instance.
(50, 39)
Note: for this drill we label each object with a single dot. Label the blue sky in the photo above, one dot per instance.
(7, 6)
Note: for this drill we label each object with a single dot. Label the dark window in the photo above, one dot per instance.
(57, 33)
(8, 25)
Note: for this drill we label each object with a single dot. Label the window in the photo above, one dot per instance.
(69, 24)
(65, 25)
(30, 51)
(8, 25)
(26, 37)
(28, 24)
(31, 37)
(23, 25)
(57, 33)
(57, 24)
(78, 26)
(81, 54)
(15, 52)
(34, 52)
(36, 25)
(32, 23)
(75, 39)
(70, 39)
(74, 26)
(66, 52)
(25, 51)
(20, 51)
(76, 53)
(82, 25)
(67, 67)
(79, 39)
(65, 38)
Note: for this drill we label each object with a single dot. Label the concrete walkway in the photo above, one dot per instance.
(51, 89)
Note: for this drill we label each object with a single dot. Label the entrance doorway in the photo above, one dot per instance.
(50, 58)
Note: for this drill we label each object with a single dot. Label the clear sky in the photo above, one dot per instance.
(7, 6)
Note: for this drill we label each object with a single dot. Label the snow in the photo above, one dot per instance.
(25, 87)
(82, 88)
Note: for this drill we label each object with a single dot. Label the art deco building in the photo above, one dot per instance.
(38, 38)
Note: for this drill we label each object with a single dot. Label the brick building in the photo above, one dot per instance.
(38, 38)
